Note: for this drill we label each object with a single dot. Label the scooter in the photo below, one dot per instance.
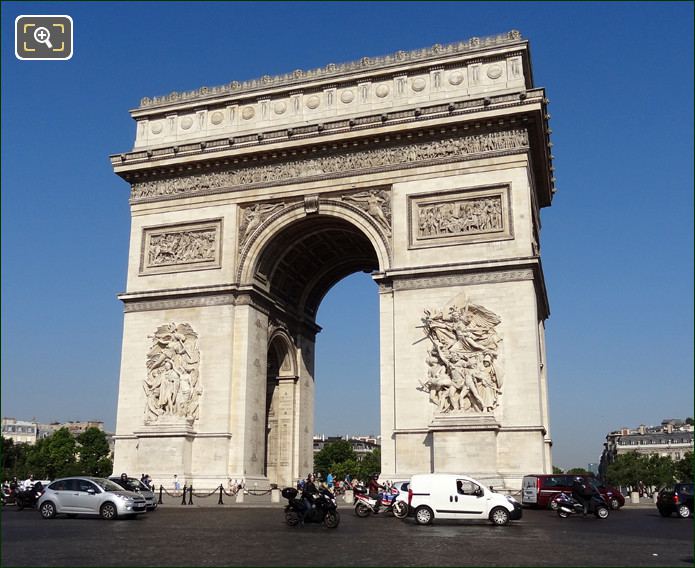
(27, 499)
(365, 506)
(568, 505)
(324, 509)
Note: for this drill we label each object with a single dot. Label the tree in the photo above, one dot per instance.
(55, 456)
(627, 469)
(557, 469)
(689, 420)
(14, 457)
(370, 464)
(332, 455)
(94, 453)
(657, 470)
(683, 468)
(577, 471)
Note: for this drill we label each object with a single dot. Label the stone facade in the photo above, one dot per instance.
(249, 201)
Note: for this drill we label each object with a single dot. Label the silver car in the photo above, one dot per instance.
(89, 496)
(135, 485)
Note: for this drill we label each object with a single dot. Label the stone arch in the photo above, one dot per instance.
(282, 347)
(298, 256)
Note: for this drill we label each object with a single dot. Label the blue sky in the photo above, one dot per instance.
(617, 244)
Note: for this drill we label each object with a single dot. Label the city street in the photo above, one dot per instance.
(257, 536)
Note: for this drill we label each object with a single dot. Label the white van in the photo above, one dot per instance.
(453, 496)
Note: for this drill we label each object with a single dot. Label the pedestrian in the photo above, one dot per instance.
(177, 485)
(329, 480)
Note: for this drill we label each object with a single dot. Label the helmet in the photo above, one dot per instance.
(375, 476)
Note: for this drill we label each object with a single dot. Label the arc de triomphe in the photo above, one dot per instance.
(250, 200)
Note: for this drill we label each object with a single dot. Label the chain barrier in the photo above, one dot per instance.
(231, 493)
(258, 492)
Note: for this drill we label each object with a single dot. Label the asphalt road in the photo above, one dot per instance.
(222, 536)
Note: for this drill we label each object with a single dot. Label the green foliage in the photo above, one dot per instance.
(577, 471)
(689, 420)
(657, 471)
(557, 469)
(683, 468)
(332, 455)
(14, 457)
(371, 463)
(94, 453)
(55, 456)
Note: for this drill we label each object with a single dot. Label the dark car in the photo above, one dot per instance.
(677, 499)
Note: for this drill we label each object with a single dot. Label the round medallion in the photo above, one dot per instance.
(186, 122)
(382, 90)
(347, 97)
(456, 78)
(248, 113)
(217, 117)
(280, 107)
(418, 84)
(156, 127)
(313, 102)
(494, 71)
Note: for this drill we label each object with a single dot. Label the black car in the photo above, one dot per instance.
(678, 499)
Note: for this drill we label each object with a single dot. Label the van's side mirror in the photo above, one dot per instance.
(478, 492)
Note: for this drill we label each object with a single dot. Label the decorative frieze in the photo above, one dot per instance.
(181, 247)
(446, 280)
(460, 216)
(463, 374)
(252, 217)
(172, 386)
(335, 164)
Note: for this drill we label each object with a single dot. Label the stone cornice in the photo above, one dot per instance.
(334, 71)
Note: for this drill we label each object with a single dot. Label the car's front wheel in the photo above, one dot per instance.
(615, 504)
(683, 511)
(108, 511)
(424, 515)
(48, 510)
(499, 516)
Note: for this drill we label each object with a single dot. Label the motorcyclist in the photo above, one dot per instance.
(373, 490)
(308, 493)
(582, 492)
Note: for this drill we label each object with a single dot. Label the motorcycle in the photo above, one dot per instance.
(8, 496)
(568, 505)
(324, 509)
(27, 498)
(365, 506)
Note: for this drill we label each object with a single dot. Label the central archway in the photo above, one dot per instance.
(298, 263)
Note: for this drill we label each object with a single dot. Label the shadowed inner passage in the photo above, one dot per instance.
(307, 258)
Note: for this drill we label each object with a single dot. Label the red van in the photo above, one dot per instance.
(539, 490)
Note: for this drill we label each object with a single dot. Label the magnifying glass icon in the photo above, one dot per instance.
(42, 35)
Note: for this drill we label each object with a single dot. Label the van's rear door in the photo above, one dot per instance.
(529, 485)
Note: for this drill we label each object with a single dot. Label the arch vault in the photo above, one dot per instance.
(250, 200)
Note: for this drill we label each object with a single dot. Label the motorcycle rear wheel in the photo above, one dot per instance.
(361, 510)
(332, 519)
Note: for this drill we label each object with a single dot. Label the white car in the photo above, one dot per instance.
(89, 496)
(454, 496)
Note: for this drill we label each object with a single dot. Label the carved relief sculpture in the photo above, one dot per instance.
(253, 216)
(339, 164)
(374, 203)
(463, 217)
(181, 247)
(172, 385)
(463, 374)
